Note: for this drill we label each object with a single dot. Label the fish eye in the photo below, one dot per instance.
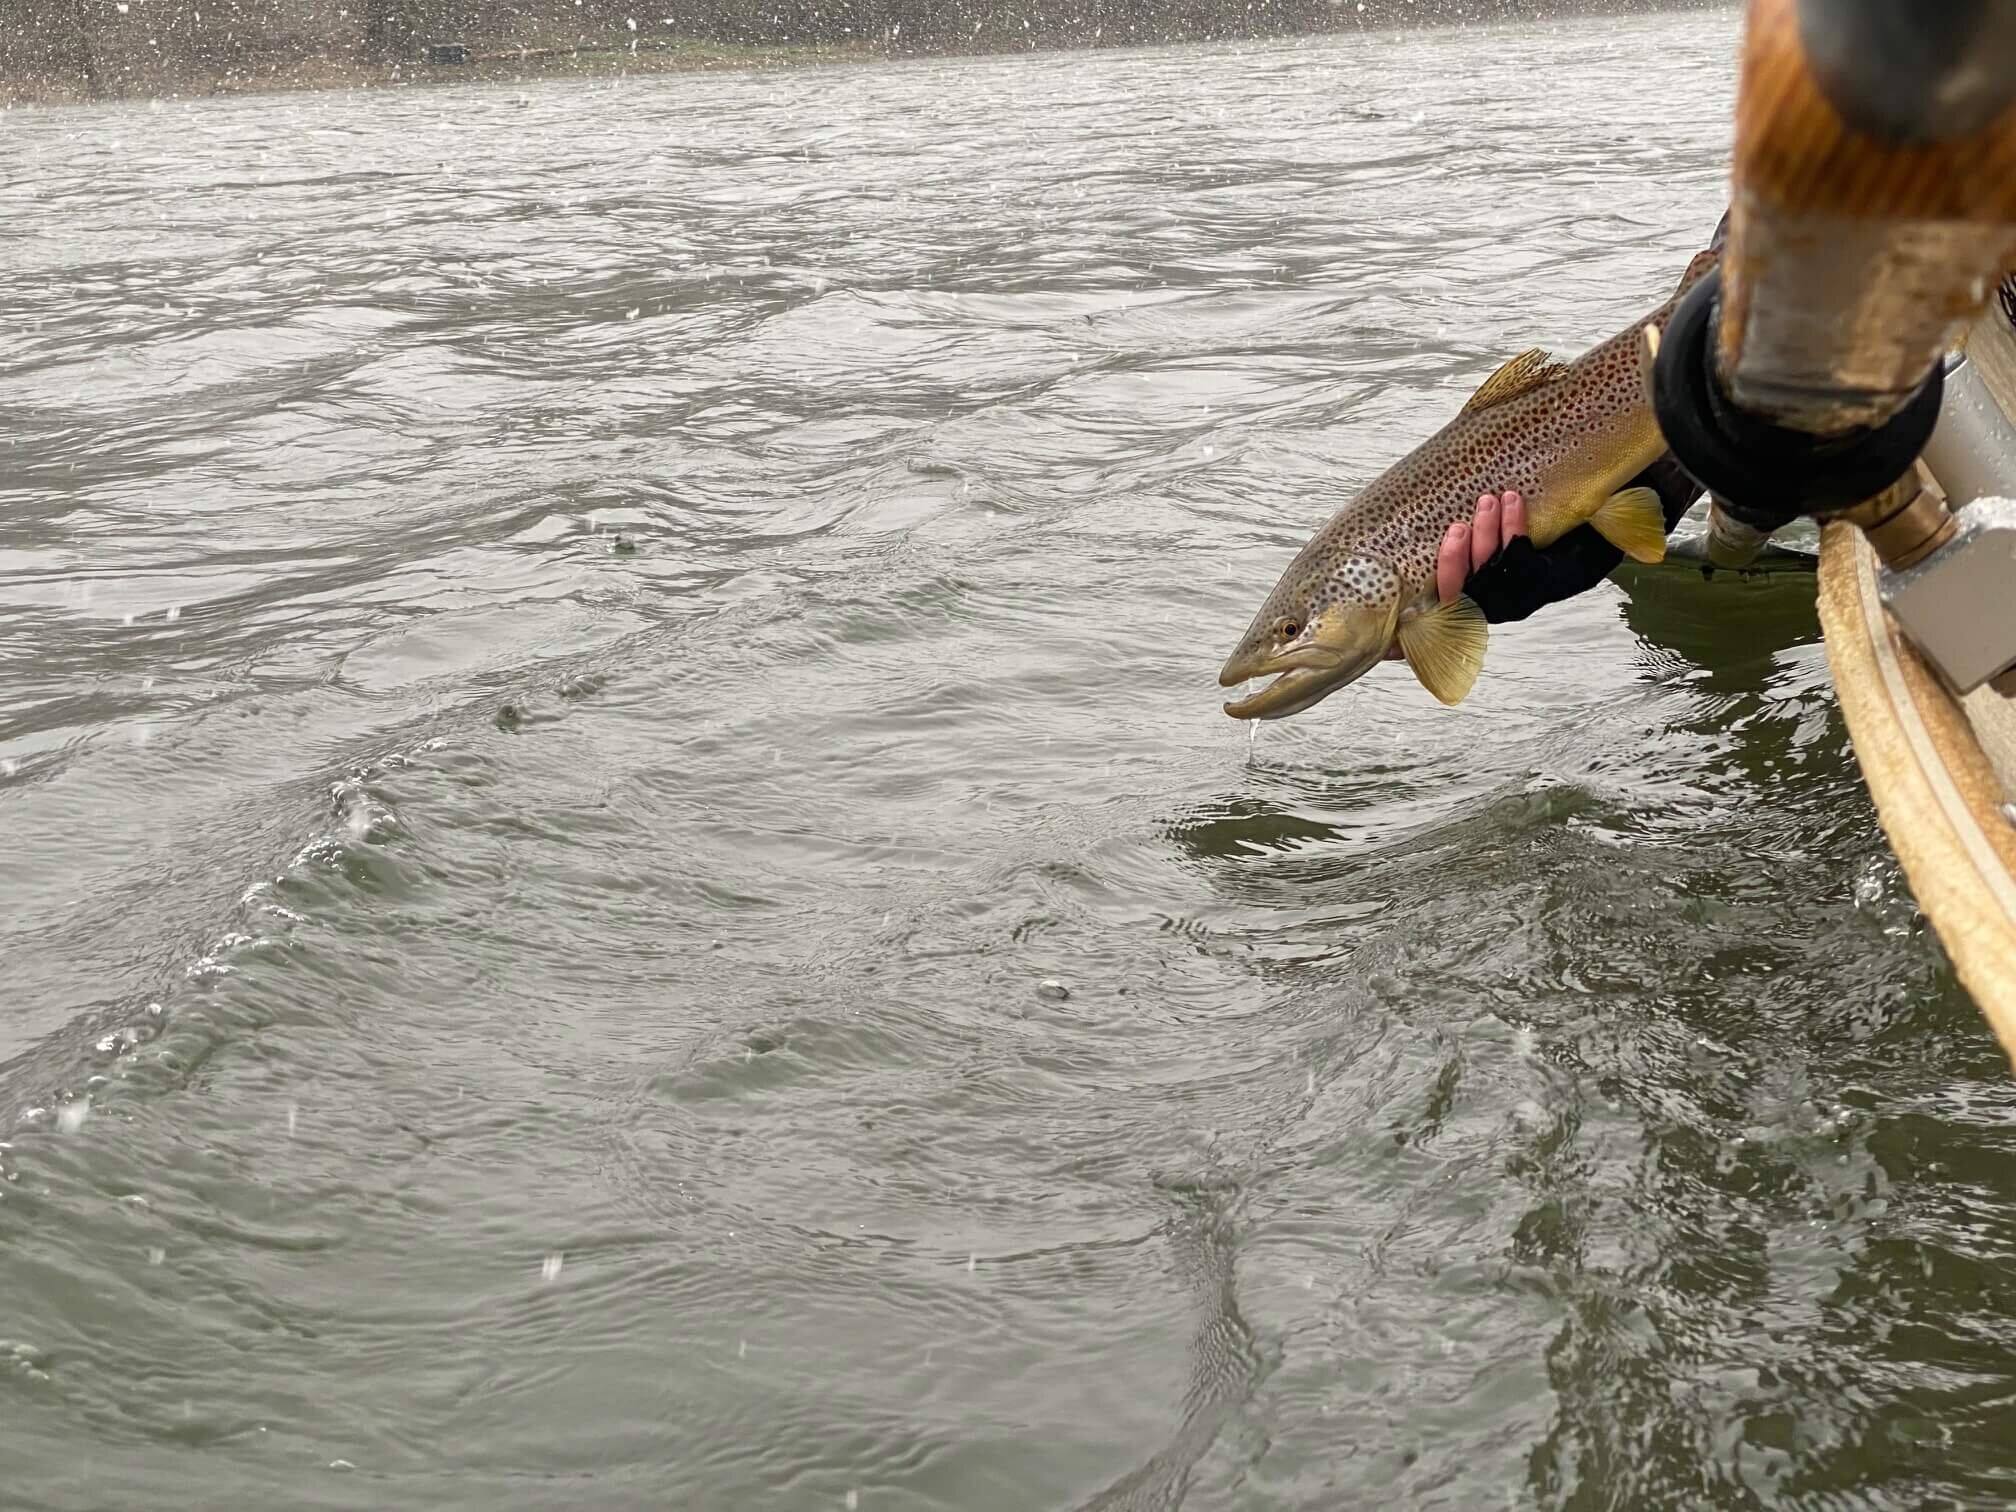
(1288, 629)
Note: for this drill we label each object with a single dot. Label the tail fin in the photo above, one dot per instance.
(1697, 269)
(1699, 264)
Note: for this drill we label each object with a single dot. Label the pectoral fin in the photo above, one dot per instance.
(1445, 647)
(1634, 523)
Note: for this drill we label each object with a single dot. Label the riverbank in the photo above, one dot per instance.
(134, 54)
(505, 66)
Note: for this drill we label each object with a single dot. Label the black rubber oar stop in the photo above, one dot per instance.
(1767, 475)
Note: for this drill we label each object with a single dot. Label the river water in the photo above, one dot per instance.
(577, 657)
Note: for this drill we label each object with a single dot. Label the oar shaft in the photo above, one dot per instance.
(1874, 201)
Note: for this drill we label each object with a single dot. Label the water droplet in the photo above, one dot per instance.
(853, 1500)
(741, 1349)
(155, 1254)
(549, 1268)
(293, 1117)
(1869, 885)
(72, 1115)
(174, 613)
(9, 767)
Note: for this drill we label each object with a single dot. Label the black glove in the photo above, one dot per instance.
(1521, 577)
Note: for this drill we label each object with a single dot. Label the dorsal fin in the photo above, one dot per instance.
(1531, 369)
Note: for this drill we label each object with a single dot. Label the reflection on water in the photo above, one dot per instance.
(627, 885)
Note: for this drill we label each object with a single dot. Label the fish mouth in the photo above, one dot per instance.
(1303, 678)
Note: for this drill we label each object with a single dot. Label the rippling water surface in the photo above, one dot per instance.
(576, 658)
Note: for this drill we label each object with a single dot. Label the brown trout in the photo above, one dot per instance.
(1567, 436)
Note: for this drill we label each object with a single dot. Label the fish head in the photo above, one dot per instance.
(1326, 624)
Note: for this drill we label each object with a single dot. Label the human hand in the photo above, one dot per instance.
(1499, 520)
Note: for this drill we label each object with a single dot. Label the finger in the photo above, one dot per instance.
(1452, 563)
(1512, 512)
(1484, 533)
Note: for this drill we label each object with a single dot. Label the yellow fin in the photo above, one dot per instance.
(1445, 647)
(1529, 370)
(1634, 523)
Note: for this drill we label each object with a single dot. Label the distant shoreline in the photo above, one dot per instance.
(505, 66)
(613, 60)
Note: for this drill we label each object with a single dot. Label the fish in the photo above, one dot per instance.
(1568, 436)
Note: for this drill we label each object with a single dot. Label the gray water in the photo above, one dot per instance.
(576, 657)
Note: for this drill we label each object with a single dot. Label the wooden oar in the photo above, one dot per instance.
(1857, 257)
(1873, 209)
